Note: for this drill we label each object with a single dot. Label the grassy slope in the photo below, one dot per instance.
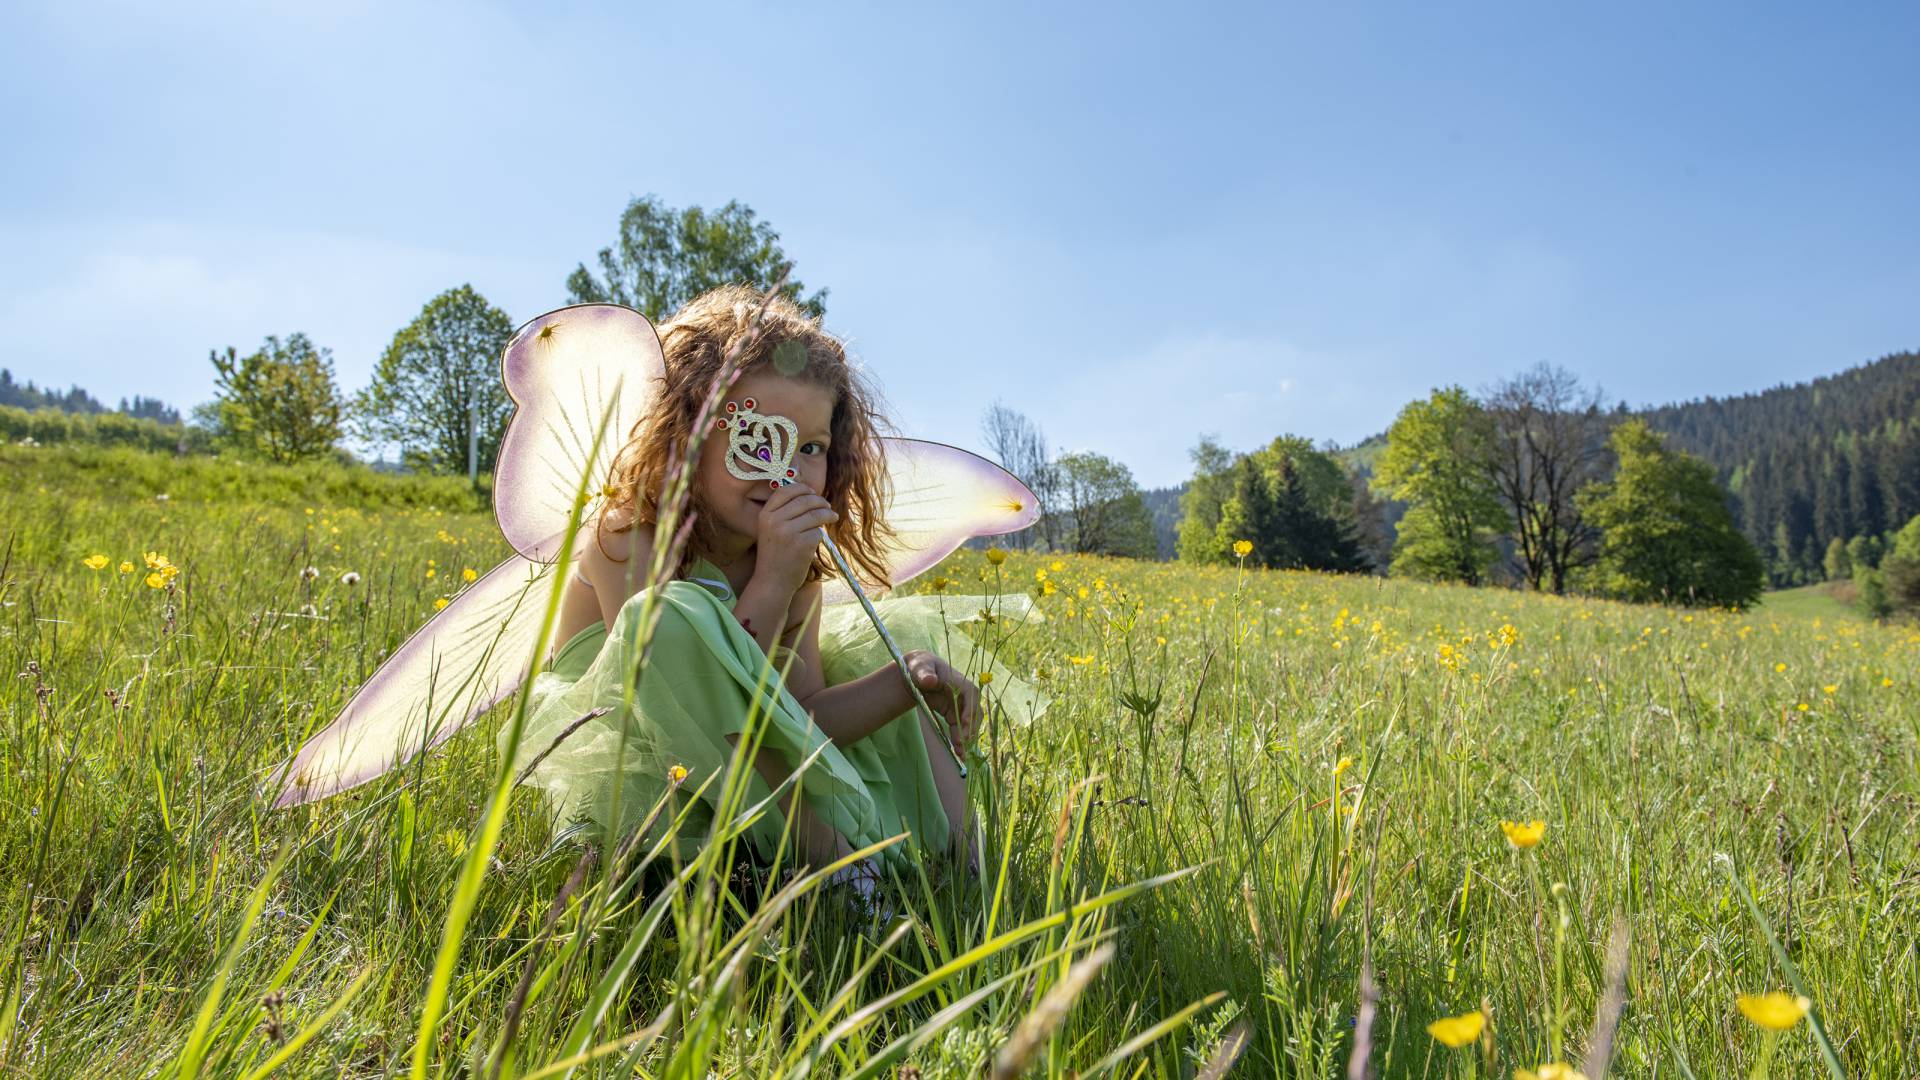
(1812, 602)
(1647, 739)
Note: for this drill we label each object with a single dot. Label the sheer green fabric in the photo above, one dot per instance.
(703, 679)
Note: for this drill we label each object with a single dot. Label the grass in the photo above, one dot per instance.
(1825, 600)
(1250, 788)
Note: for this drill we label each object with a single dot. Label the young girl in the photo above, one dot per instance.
(748, 587)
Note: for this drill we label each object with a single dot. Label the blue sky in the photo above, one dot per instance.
(1134, 224)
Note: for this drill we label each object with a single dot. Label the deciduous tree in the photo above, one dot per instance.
(665, 257)
(279, 402)
(438, 384)
(1437, 462)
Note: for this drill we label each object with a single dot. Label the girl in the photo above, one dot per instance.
(749, 587)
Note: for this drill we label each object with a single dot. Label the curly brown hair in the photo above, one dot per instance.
(695, 341)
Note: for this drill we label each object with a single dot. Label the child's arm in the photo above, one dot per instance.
(856, 709)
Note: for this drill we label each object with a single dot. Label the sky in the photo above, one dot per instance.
(1135, 225)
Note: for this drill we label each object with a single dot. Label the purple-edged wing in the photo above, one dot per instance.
(942, 496)
(466, 659)
(567, 371)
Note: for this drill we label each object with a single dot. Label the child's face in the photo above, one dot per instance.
(734, 504)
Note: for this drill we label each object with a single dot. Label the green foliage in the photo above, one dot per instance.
(1437, 461)
(50, 427)
(1102, 508)
(1863, 552)
(1290, 500)
(1871, 589)
(438, 384)
(1901, 569)
(1838, 564)
(1667, 535)
(666, 257)
(131, 475)
(279, 402)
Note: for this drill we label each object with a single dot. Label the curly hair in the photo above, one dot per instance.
(695, 341)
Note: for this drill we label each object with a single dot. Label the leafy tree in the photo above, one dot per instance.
(666, 257)
(1437, 462)
(1667, 534)
(438, 384)
(1871, 589)
(1838, 564)
(1900, 568)
(1549, 441)
(1863, 552)
(280, 402)
(1103, 508)
(1211, 486)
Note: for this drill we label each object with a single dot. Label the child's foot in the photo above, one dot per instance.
(864, 895)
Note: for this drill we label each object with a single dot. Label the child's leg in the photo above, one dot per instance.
(816, 842)
(952, 788)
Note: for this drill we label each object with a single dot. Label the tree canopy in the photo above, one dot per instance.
(1436, 461)
(279, 402)
(1103, 511)
(439, 376)
(1667, 535)
(664, 257)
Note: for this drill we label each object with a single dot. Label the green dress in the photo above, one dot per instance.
(703, 678)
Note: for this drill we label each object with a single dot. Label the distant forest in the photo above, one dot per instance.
(75, 400)
(1838, 457)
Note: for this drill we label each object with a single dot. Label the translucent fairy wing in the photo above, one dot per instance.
(565, 371)
(466, 659)
(941, 497)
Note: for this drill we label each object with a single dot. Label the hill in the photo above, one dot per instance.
(1835, 457)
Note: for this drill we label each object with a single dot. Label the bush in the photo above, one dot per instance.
(114, 471)
(50, 427)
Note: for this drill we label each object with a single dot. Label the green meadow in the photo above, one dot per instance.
(1260, 823)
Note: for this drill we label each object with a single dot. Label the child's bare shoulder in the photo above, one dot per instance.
(615, 555)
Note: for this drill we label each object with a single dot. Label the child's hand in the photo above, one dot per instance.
(787, 541)
(949, 692)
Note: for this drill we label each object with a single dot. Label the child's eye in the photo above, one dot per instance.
(813, 448)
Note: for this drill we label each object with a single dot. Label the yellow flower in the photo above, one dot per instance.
(1458, 1031)
(1831, 688)
(469, 575)
(1056, 566)
(1087, 659)
(1242, 548)
(1524, 835)
(95, 562)
(1778, 668)
(676, 774)
(157, 561)
(431, 571)
(156, 580)
(940, 584)
(1555, 1071)
(1803, 707)
(1345, 764)
(996, 556)
(1886, 682)
(1776, 1011)
(986, 677)
(1048, 588)
(440, 603)
(126, 567)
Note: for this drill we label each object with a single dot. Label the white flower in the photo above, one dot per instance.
(162, 497)
(310, 573)
(351, 577)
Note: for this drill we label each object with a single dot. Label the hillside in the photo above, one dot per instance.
(1835, 457)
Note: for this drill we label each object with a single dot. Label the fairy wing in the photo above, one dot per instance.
(465, 660)
(567, 372)
(940, 497)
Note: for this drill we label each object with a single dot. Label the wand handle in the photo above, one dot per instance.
(939, 722)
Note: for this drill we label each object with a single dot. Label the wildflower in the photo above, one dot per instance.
(1779, 669)
(431, 572)
(1048, 588)
(157, 561)
(1776, 1011)
(1830, 689)
(469, 575)
(1802, 707)
(986, 678)
(1242, 548)
(940, 584)
(1555, 1071)
(1345, 764)
(440, 603)
(126, 567)
(351, 577)
(1524, 835)
(162, 497)
(95, 562)
(676, 774)
(156, 580)
(1087, 659)
(1884, 681)
(309, 573)
(996, 556)
(1458, 1031)
(1056, 566)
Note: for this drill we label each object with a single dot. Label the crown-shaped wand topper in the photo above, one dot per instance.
(760, 446)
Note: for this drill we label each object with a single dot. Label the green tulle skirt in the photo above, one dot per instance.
(706, 676)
